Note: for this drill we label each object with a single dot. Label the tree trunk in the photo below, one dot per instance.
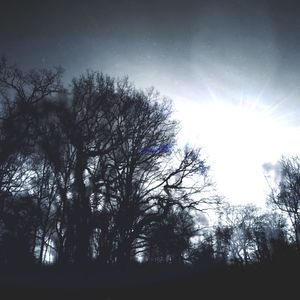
(81, 212)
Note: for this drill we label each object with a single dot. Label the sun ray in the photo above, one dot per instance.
(239, 136)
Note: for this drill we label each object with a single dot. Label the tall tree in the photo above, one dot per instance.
(20, 92)
(99, 162)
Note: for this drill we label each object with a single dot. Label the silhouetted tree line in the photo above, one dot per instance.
(90, 173)
(87, 173)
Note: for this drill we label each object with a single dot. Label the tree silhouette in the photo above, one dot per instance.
(285, 194)
(20, 92)
(204, 253)
(98, 162)
(245, 234)
(169, 241)
(270, 237)
(92, 174)
(19, 220)
(235, 231)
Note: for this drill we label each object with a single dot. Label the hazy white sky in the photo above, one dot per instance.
(238, 140)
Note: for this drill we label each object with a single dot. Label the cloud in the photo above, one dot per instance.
(272, 170)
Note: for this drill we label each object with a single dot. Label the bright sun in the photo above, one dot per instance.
(237, 140)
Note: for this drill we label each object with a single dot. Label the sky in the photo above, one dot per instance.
(232, 69)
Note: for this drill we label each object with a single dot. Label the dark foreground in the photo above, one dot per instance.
(152, 282)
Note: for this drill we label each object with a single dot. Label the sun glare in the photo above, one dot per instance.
(237, 140)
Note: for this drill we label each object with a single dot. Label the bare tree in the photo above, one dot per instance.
(235, 231)
(285, 194)
(99, 162)
(20, 92)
